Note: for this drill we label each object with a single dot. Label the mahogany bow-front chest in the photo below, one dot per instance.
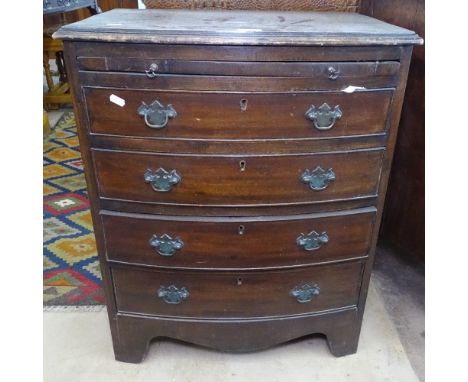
(236, 164)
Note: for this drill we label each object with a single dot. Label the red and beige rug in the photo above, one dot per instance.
(71, 267)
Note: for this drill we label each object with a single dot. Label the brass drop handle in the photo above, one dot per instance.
(305, 292)
(324, 117)
(318, 179)
(151, 72)
(172, 294)
(312, 241)
(165, 245)
(162, 180)
(156, 115)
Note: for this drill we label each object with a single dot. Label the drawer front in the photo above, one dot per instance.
(239, 294)
(224, 243)
(236, 116)
(189, 82)
(245, 53)
(332, 73)
(237, 180)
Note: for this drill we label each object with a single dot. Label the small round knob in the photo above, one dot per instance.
(151, 72)
(333, 73)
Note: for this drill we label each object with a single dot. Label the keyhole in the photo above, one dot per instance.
(241, 230)
(243, 104)
(239, 281)
(242, 165)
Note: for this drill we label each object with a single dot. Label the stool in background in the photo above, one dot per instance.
(58, 94)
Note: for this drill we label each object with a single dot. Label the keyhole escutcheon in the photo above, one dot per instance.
(241, 229)
(242, 165)
(243, 104)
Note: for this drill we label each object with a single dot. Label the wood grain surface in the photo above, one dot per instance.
(224, 83)
(237, 294)
(220, 116)
(219, 181)
(230, 243)
(350, 71)
(260, 53)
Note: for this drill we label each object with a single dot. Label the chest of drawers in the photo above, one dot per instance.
(236, 165)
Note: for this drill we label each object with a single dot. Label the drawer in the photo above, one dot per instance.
(230, 243)
(237, 115)
(86, 50)
(237, 294)
(237, 180)
(329, 68)
(333, 73)
(199, 82)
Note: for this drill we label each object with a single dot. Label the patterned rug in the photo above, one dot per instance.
(71, 267)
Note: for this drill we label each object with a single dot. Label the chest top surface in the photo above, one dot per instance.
(237, 27)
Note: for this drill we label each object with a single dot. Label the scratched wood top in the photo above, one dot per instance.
(237, 27)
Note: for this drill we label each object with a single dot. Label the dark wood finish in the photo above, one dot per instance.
(349, 72)
(247, 306)
(220, 211)
(219, 181)
(231, 243)
(219, 83)
(261, 53)
(404, 216)
(267, 116)
(226, 295)
(239, 146)
(341, 328)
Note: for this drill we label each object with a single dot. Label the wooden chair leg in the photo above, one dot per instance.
(48, 73)
(61, 66)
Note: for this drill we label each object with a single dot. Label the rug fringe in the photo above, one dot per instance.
(73, 308)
